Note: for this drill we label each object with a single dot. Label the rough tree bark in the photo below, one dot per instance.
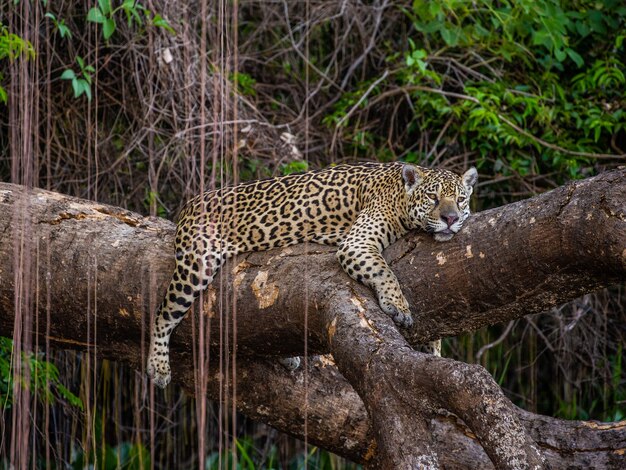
(105, 268)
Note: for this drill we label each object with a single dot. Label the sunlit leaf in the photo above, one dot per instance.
(95, 15)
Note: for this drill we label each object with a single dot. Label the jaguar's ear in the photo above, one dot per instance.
(470, 177)
(412, 176)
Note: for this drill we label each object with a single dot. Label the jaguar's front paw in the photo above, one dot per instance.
(158, 370)
(402, 319)
(400, 315)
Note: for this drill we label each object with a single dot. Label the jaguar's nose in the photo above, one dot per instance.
(449, 219)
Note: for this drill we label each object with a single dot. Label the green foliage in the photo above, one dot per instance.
(296, 166)
(136, 14)
(124, 456)
(417, 66)
(248, 457)
(340, 112)
(152, 199)
(81, 81)
(59, 25)
(252, 168)
(42, 378)
(527, 87)
(538, 378)
(103, 14)
(244, 83)
(12, 46)
(512, 29)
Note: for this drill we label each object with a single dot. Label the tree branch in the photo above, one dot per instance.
(572, 241)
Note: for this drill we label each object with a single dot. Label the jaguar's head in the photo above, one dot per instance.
(438, 199)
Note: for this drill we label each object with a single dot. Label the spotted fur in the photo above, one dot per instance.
(362, 208)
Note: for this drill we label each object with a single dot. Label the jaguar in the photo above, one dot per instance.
(361, 208)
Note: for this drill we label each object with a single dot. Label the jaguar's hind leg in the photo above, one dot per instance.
(191, 277)
(290, 363)
(432, 347)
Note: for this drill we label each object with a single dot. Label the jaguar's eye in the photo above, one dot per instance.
(433, 197)
(461, 200)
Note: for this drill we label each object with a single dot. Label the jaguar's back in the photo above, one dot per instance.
(318, 206)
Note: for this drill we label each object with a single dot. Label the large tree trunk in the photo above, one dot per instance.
(102, 271)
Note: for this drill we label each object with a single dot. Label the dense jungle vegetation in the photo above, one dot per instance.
(141, 104)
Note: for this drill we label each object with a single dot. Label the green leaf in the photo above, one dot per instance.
(96, 16)
(575, 56)
(81, 62)
(582, 28)
(134, 14)
(450, 36)
(419, 53)
(78, 87)
(542, 38)
(68, 74)
(87, 89)
(596, 21)
(105, 6)
(434, 8)
(3, 95)
(108, 28)
(560, 54)
(64, 31)
(161, 22)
